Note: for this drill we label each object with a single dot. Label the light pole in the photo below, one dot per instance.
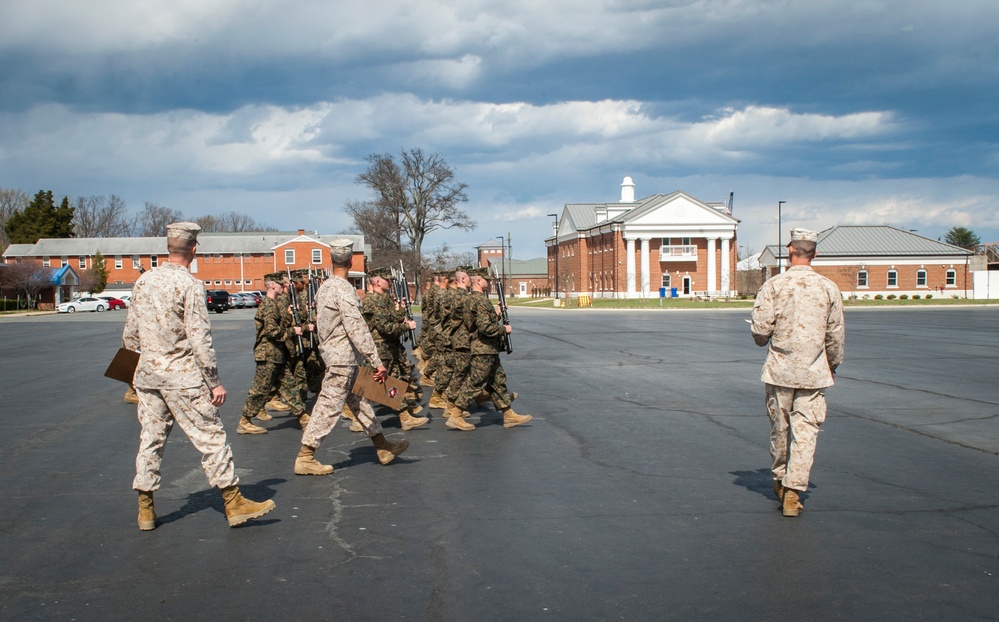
(780, 262)
(555, 216)
(502, 262)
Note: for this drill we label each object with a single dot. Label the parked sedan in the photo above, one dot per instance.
(114, 303)
(83, 304)
(236, 301)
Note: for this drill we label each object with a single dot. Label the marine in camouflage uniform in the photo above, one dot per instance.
(485, 330)
(177, 378)
(343, 338)
(461, 343)
(293, 386)
(387, 324)
(800, 315)
(269, 352)
(428, 331)
(450, 313)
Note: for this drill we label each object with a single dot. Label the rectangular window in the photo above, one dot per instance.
(892, 278)
(46, 262)
(951, 278)
(317, 255)
(289, 256)
(921, 278)
(217, 282)
(136, 262)
(666, 281)
(117, 262)
(83, 263)
(862, 278)
(154, 261)
(65, 262)
(228, 282)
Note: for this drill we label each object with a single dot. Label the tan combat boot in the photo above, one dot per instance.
(387, 450)
(457, 423)
(276, 404)
(306, 463)
(355, 425)
(303, 420)
(408, 421)
(239, 509)
(779, 491)
(511, 418)
(246, 426)
(131, 396)
(482, 399)
(425, 380)
(791, 505)
(147, 514)
(437, 400)
(263, 415)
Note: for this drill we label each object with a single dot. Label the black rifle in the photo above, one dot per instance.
(294, 313)
(401, 288)
(312, 308)
(505, 342)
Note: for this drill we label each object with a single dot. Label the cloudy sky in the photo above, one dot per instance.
(852, 111)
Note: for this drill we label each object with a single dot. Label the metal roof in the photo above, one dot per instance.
(532, 267)
(881, 240)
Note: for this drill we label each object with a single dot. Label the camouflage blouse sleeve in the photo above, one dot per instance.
(199, 334)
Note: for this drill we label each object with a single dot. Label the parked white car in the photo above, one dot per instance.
(83, 304)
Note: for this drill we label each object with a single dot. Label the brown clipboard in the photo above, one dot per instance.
(122, 367)
(389, 393)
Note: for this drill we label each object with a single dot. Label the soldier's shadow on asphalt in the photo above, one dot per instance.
(211, 499)
(761, 482)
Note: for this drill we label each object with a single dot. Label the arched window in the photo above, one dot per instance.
(951, 278)
(862, 278)
(921, 278)
(892, 278)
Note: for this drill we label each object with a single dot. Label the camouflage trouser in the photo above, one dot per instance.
(294, 389)
(315, 369)
(396, 362)
(795, 417)
(329, 407)
(193, 410)
(265, 379)
(459, 373)
(445, 369)
(485, 373)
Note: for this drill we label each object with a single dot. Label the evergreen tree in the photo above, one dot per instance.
(100, 270)
(963, 237)
(41, 219)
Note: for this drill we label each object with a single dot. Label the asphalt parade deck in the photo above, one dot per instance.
(640, 491)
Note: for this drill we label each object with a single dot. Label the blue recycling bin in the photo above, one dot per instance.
(673, 293)
(662, 292)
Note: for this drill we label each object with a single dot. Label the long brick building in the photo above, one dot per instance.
(632, 248)
(231, 261)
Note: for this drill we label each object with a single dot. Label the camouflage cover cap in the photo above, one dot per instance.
(186, 231)
(276, 277)
(803, 235)
(301, 275)
(483, 272)
(341, 250)
(384, 273)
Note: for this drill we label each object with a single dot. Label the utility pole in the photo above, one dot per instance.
(780, 247)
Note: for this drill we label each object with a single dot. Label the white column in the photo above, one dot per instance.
(645, 267)
(726, 276)
(712, 285)
(630, 267)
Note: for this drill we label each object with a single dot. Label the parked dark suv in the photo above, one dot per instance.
(217, 300)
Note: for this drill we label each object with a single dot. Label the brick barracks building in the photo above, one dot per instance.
(234, 262)
(632, 248)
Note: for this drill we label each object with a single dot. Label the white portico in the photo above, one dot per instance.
(631, 249)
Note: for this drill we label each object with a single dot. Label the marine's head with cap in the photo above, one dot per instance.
(182, 237)
(341, 252)
(803, 243)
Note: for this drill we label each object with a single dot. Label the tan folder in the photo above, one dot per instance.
(122, 367)
(388, 393)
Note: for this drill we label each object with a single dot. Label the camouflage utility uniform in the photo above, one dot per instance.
(168, 324)
(270, 354)
(485, 372)
(800, 314)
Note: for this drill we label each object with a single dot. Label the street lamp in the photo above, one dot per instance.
(555, 216)
(780, 263)
(502, 262)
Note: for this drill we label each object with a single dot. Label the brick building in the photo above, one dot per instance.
(632, 248)
(524, 278)
(234, 262)
(873, 260)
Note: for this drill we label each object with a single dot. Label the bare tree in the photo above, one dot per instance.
(11, 202)
(154, 219)
(232, 221)
(443, 258)
(28, 279)
(101, 216)
(209, 224)
(419, 193)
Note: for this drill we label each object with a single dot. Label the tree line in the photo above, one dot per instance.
(25, 220)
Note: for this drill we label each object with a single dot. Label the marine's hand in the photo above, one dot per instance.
(411, 324)
(509, 329)
(298, 330)
(381, 374)
(218, 396)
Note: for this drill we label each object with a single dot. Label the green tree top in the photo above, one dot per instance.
(41, 219)
(963, 237)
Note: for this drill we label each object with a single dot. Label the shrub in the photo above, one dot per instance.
(892, 296)
(916, 297)
(878, 297)
(904, 297)
(867, 296)
(928, 296)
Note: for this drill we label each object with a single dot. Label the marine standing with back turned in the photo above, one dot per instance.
(800, 315)
(177, 378)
